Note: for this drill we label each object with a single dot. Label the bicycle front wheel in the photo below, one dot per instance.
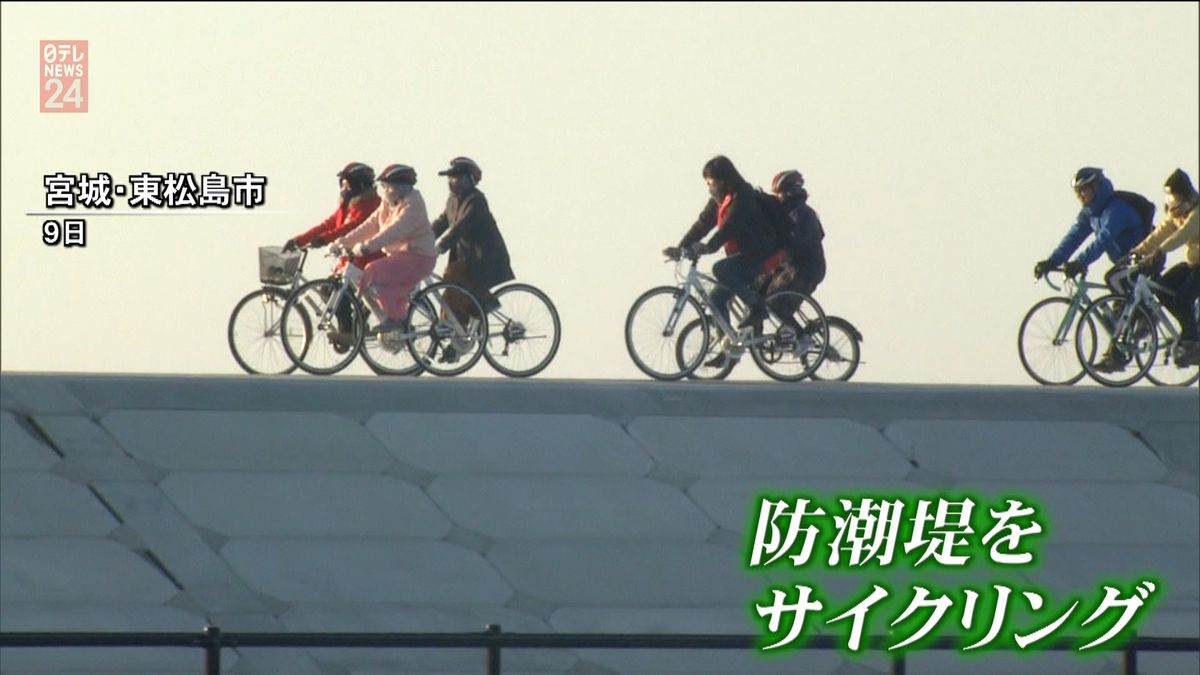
(440, 340)
(253, 333)
(1044, 343)
(688, 343)
(652, 328)
(337, 327)
(842, 358)
(523, 331)
(791, 343)
(1121, 344)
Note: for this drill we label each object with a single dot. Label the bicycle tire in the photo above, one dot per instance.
(701, 372)
(791, 359)
(1047, 357)
(436, 342)
(331, 349)
(1164, 372)
(1140, 328)
(515, 329)
(255, 342)
(647, 336)
(844, 348)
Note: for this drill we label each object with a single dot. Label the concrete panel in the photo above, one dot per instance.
(480, 443)
(19, 449)
(994, 450)
(731, 446)
(305, 505)
(712, 661)
(48, 506)
(357, 570)
(78, 571)
(250, 441)
(626, 573)
(1083, 513)
(509, 507)
(727, 620)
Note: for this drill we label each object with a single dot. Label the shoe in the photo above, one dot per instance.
(341, 340)
(449, 355)
(1187, 354)
(718, 361)
(1109, 364)
(389, 326)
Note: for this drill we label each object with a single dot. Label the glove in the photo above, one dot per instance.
(1074, 269)
(318, 242)
(672, 252)
(360, 250)
(290, 246)
(1040, 269)
(698, 249)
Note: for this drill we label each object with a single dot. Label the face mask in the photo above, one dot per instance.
(347, 193)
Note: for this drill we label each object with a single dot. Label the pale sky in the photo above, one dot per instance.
(937, 142)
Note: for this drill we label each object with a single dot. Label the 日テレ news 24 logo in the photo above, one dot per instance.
(64, 73)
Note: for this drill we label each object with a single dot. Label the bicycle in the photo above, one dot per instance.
(787, 351)
(523, 331)
(1126, 329)
(1043, 340)
(433, 339)
(253, 328)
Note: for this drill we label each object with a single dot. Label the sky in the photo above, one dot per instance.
(937, 143)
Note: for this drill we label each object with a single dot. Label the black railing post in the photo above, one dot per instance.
(1131, 656)
(493, 650)
(212, 650)
(898, 666)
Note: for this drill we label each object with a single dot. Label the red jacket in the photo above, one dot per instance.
(343, 220)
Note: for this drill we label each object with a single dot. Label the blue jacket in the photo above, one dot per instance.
(1116, 224)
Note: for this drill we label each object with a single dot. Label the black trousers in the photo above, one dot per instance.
(1184, 282)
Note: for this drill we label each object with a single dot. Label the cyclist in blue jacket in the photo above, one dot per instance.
(1117, 226)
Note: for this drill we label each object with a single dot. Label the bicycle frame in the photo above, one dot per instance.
(1077, 291)
(1143, 295)
(692, 286)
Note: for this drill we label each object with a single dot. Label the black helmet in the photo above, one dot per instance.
(463, 165)
(398, 173)
(357, 171)
(1086, 176)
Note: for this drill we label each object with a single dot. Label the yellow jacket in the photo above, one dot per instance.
(1174, 232)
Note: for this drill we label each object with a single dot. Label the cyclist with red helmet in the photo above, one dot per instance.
(478, 255)
(356, 201)
(398, 239)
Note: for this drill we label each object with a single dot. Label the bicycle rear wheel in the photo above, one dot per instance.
(842, 358)
(439, 340)
(796, 337)
(253, 333)
(1165, 371)
(523, 331)
(651, 329)
(1108, 336)
(336, 336)
(1044, 343)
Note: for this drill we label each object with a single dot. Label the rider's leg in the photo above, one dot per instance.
(391, 279)
(735, 273)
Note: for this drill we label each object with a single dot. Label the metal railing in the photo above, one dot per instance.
(212, 640)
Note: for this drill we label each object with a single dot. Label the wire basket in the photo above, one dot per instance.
(276, 267)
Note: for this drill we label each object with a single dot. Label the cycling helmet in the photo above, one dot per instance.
(463, 165)
(357, 171)
(787, 180)
(398, 173)
(1179, 184)
(1086, 176)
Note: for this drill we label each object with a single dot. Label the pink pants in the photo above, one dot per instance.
(393, 277)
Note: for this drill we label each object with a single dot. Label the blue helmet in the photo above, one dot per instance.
(1086, 176)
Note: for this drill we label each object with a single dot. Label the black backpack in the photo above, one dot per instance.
(1144, 207)
(788, 233)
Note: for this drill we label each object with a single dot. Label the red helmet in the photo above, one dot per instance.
(398, 173)
(786, 180)
(357, 171)
(463, 165)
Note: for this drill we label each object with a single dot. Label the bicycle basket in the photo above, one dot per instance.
(276, 267)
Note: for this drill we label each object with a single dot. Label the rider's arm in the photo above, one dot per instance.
(360, 209)
(1169, 235)
(320, 230)
(1118, 222)
(406, 223)
(1075, 236)
(440, 224)
(703, 225)
(474, 215)
(367, 228)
